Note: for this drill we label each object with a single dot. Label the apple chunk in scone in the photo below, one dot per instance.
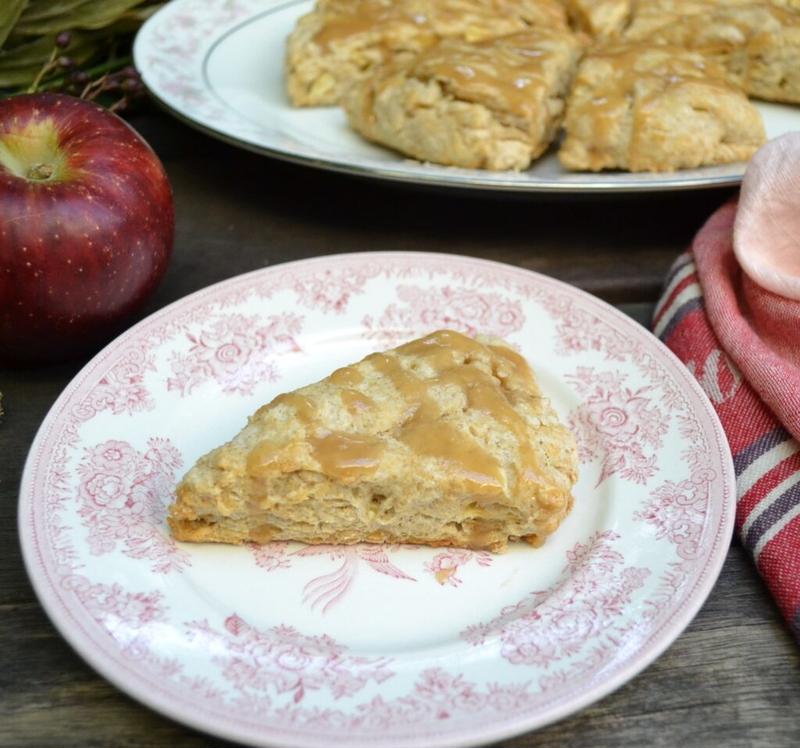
(444, 441)
(603, 19)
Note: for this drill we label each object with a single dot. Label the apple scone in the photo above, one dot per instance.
(655, 108)
(343, 41)
(443, 441)
(495, 104)
(756, 43)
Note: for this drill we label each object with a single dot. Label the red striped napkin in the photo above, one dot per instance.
(742, 342)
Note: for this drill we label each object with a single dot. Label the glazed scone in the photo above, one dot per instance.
(602, 19)
(494, 105)
(444, 441)
(342, 41)
(757, 44)
(658, 108)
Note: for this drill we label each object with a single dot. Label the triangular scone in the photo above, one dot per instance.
(655, 108)
(341, 42)
(444, 441)
(494, 104)
(757, 44)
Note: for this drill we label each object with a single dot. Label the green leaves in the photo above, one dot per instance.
(46, 17)
(20, 65)
(101, 32)
(10, 11)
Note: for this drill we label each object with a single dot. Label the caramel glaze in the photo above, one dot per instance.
(356, 402)
(347, 376)
(426, 429)
(631, 62)
(506, 74)
(269, 456)
(264, 458)
(347, 456)
(428, 433)
(708, 26)
(345, 20)
(303, 407)
(474, 20)
(628, 60)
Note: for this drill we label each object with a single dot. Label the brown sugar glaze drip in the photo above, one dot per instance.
(345, 20)
(340, 455)
(356, 402)
(267, 456)
(346, 376)
(264, 458)
(347, 456)
(632, 62)
(474, 20)
(501, 75)
(426, 431)
(303, 407)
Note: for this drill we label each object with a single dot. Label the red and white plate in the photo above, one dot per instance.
(373, 645)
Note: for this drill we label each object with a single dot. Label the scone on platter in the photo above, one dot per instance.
(756, 43)
(342, 41)
(444, 441)
(495, 104)
(655, 108)
(602, 19)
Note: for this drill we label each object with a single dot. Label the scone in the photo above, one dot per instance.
(757, 43)
(444, 441)
(495, 104)
(602, 19)
(342, 41)
(657, 108)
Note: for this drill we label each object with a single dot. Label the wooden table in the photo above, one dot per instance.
(732, 679)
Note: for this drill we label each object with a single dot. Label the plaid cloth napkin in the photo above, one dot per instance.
(735, 323)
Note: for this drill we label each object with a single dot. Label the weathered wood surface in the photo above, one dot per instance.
(732, 679)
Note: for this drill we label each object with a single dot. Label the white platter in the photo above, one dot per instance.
(218, 64)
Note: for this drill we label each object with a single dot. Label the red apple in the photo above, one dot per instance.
(86, 225)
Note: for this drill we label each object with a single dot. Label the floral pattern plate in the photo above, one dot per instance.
(296, 645)
(218, 65)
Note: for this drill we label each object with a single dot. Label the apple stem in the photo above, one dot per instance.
(40, 172)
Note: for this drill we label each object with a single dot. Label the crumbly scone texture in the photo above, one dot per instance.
(659, 108)
(495, 104)
(602, 19)
(342, 41)
(444, 441)
(756, 43)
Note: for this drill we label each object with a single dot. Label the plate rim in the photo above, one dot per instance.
(176, 707)
(586, 186)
